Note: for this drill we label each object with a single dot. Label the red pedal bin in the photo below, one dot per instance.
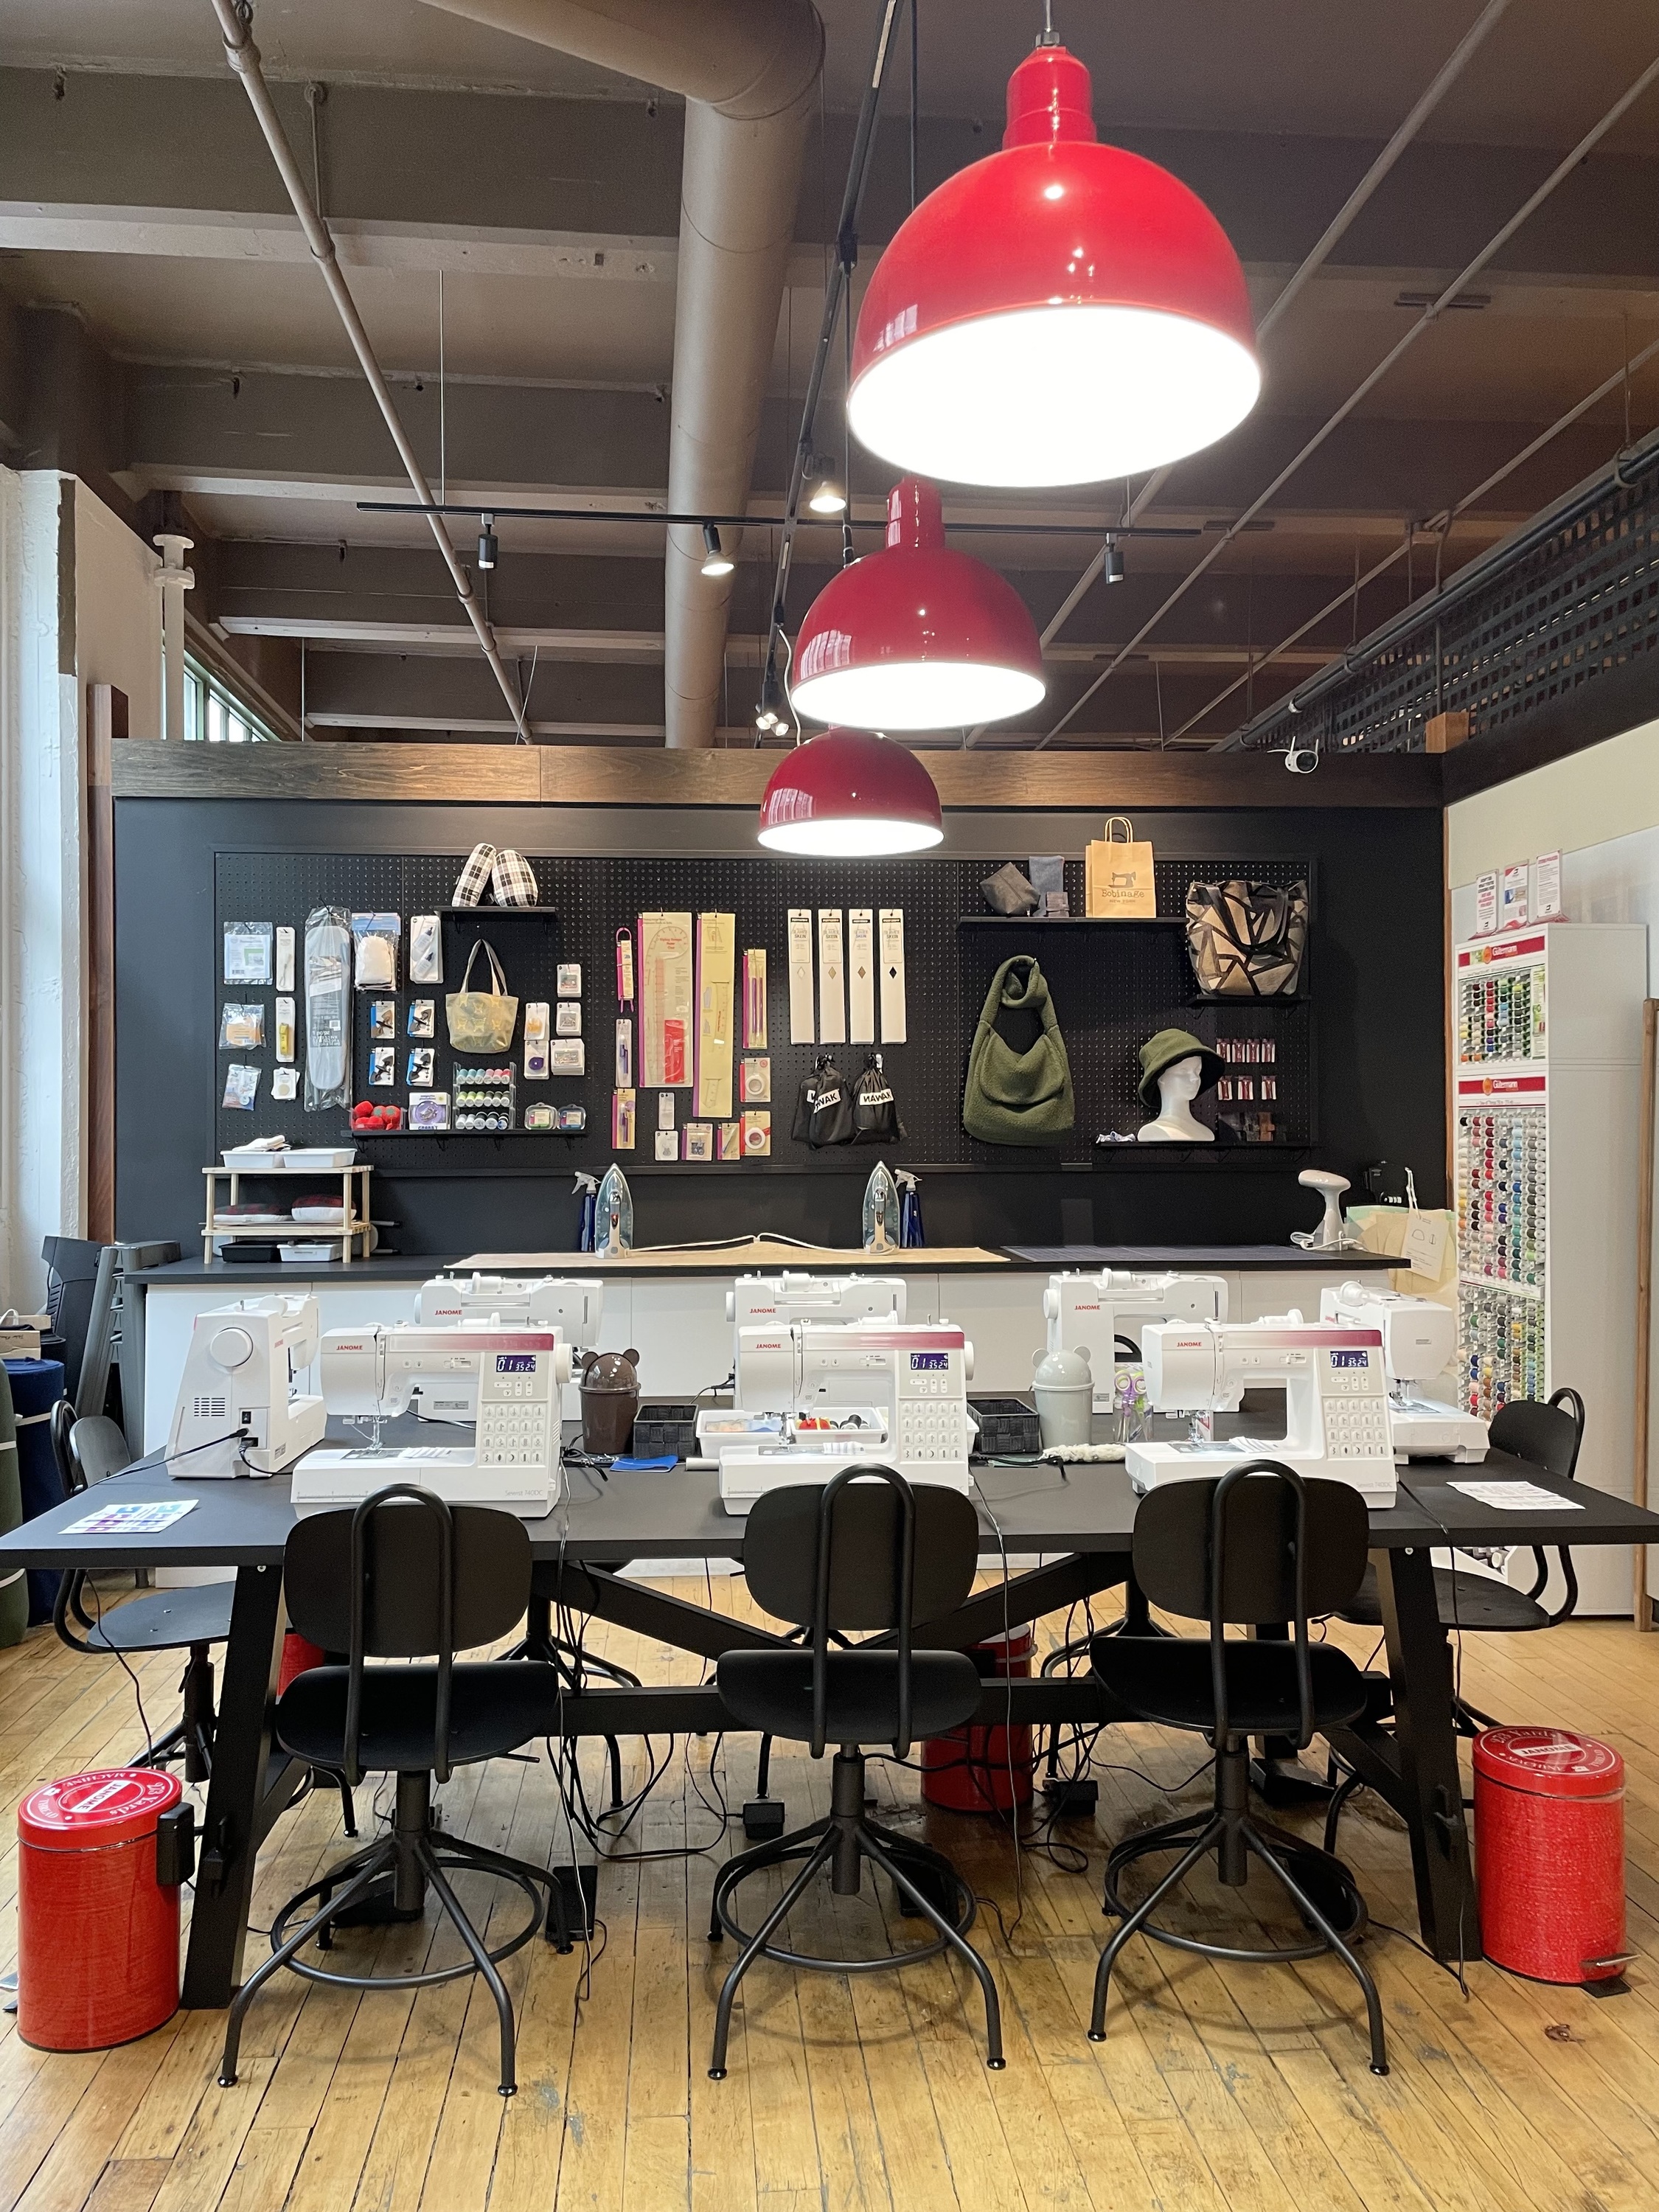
(299, 1657)
(98, 1933)
(977, 1769)
(1549, 1834)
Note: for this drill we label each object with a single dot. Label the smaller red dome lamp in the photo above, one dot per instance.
(850, 794)
(916, 637)
(1059, 312)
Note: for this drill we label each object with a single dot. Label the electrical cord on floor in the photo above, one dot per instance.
(137, 1692)
(1007, 1931)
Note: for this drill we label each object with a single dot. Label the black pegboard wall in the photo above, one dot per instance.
(1112, 988)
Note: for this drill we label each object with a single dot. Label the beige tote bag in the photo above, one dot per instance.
(481, 1021)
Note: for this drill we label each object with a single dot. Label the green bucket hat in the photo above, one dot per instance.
(1163, 1052)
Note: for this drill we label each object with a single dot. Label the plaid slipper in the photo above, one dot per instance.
(513, 880)
(474, 879)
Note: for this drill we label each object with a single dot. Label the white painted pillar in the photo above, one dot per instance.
(42, 846)
(175, 579)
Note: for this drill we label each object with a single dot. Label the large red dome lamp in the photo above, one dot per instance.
(916, 637)
(1059, 312)
(850, 795)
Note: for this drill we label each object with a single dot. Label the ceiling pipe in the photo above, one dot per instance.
(748, 71)
(236, 27)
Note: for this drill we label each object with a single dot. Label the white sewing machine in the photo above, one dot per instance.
(237, 1411)
(896, 1391)
(573, 1304)
(1419, 1340)
(1089, 1314)
(513, 1373)
(762, 1310)
(1337, 1423)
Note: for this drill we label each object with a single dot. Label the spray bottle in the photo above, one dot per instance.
(613, 1214)
(911, 1231)
(585, 1188)
(881, 1211)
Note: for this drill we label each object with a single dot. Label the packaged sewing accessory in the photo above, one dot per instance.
(624, 967)
(567, 980)
(247, 952)
(285, 1083)
(622, 1120)
(699, 1141)
(328, 954)
(567, 1056)
(540, 1117)
(625, 1053)
(729, 1138)
(755, 1036)
(535, 1041)
(756, 1082)
(242, 1027)
(422, 1017)
(665, 1109)
(421, 1067)
(241, 1089)
(375, 939)
(668, 1144)
(426, 952)
(382, 1068)
(284, 957)
(572, 1121)
(757, 1135)
(430, 1111)
(383, 1020)
(285, 1029)
(567, 1018)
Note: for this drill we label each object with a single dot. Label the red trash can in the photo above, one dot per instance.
(97, 1932)
(1549, 1836)
(299, 1656)
(970, 1769)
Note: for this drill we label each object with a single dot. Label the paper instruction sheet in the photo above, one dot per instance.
(861, 975)
(832, 977)
(892, 975)
(803, 1020)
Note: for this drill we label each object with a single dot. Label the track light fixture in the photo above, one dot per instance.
(824, 494)
(488, 551)
(1115, 567)
(714, 562)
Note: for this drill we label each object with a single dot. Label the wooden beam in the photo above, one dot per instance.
(605, 776)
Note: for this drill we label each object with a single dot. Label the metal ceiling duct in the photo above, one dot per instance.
(748, 71)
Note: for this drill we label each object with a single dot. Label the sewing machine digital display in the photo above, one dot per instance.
(515, 1363)
(1351, 1360)
(929, 1362)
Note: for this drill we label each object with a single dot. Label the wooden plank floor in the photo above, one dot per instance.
(1219, 2088)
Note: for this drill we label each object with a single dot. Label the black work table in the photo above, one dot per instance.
(1080, 1519)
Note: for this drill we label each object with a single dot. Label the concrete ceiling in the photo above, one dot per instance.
(170, 338)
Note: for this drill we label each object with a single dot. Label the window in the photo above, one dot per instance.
(215, 715)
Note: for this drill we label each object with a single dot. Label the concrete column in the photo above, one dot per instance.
(175, 579)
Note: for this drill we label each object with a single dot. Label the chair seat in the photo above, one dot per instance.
(1464, 1600)
(772, 1692)
(168, 1620)
(1167, 1678)
(493, 1707)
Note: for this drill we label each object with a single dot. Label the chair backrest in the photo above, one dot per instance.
(61, 1421)
(404, 1576)
(1260, 1544)
(1551, 1436)
(97, 1449)
(1548, 1436)
(867, 1551)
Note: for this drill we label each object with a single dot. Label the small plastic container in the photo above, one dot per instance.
(97, 1928)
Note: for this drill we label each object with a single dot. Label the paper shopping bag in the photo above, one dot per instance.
(1118, 873)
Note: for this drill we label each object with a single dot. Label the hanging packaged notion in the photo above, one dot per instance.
(875, 1111)
(1117, 877)
(1247, 940)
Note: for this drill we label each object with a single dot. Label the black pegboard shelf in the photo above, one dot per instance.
(1239, 1004)
(1070, 921)
(495, 913)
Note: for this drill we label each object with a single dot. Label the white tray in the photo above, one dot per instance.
(309, 1159)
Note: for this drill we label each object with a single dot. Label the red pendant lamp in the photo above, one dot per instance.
(850, 795)
(916, 637)
(1059, 312)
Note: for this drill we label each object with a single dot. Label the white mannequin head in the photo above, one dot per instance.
(1177, 1086)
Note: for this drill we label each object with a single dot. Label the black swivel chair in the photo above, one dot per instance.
(189, 1621)
(404, 1576)
(1260, 1544)
(867, 1555)
(1549, 1436)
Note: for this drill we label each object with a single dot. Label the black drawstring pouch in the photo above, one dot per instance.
(875, 1110)
(823, 1112)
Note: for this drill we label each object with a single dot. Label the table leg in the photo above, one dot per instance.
(1430, 1795)
(236, 1792)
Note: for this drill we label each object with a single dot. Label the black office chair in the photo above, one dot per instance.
(1260, 1544)
(404, 1576)
(1548, 1436)
(864, 1552)
(189, 1621)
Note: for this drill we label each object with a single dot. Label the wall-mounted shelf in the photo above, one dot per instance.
(1070, 921)
(494, 912)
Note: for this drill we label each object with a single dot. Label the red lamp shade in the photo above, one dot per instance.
(849, 794)
(1059, 312)
(916, 637)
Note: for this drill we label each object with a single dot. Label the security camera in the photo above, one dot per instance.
(1301, 760)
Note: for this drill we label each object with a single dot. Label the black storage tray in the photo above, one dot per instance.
(1008, 1427)
(661, 1427)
